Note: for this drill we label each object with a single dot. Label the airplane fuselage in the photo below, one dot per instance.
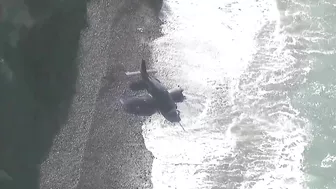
(165, 103)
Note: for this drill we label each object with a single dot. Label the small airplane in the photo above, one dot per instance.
(159, 98)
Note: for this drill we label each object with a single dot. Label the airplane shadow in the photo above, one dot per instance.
(156, 5)
(137, 104)
(142, 112)
(35, 103)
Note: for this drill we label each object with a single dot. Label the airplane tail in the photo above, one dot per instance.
(143, 70)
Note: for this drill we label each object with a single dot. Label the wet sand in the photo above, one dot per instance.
(101, 146)
(108, 144)
(115, 155)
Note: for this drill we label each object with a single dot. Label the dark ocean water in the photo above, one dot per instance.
(316, 98)
(314, 25)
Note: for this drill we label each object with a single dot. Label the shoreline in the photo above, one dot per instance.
(114, 154)
(112, 129)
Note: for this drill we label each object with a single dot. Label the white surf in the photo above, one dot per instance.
(241, 130)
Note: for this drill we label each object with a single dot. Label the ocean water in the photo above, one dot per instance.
(259, 77)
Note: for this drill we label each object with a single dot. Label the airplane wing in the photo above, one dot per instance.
(138, 72)
(139, 105)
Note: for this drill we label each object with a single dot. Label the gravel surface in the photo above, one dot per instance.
(100, 146)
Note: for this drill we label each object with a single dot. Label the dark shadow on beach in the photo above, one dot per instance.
(156, 5)
(35, 103)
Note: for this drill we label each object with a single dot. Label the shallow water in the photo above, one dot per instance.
(251, 71)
